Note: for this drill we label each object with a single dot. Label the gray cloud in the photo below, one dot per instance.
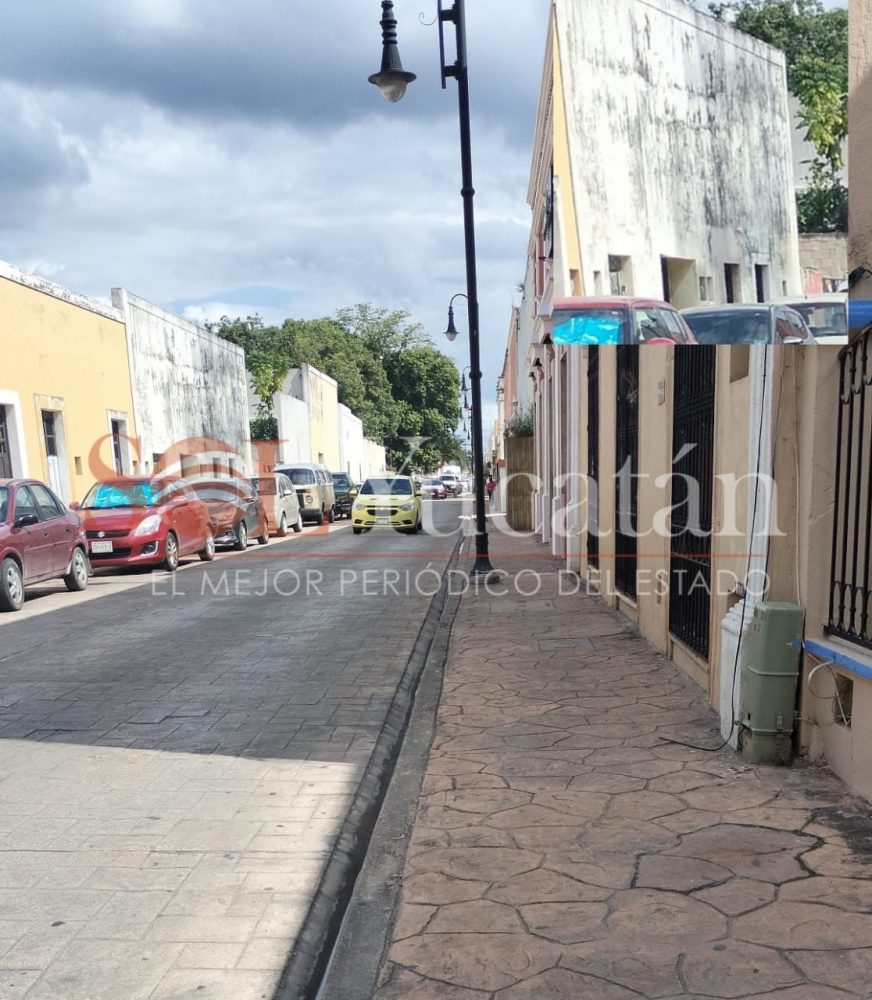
(263, 60)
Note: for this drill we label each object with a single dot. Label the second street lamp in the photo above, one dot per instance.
(392, 81)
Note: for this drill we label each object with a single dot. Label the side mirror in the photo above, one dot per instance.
(353, 493)
(25, 520)
(75, 505)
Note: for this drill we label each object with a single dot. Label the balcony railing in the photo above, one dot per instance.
(852, 518)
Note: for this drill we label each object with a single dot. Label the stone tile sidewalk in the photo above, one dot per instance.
(563, 848)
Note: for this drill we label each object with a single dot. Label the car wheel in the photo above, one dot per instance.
(207, 553)
(357, 531)
(241, 543)
(298, 524)
(77, 578)
(11, 586)
(171, 559)
(283, 527)
(420, 526)
(263, 539)
(319, 520)
(329, 516)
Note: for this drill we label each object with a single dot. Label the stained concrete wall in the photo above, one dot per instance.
(352, 452)
(680, 143)
(187, 382)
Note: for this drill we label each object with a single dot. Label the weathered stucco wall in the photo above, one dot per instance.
(187, 382)
(680, 143)
(352, 455)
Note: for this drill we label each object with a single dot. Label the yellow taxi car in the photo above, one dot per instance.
(389, 501)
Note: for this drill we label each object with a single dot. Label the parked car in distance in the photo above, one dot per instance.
(595, 320)
(452, 484)
(145, 521)
(314, 486)
(39, 540)
(236, 511)
(825, 314)
(344, 490)
(281, 503)
(741, 323)
(389, 501)
(434, 489)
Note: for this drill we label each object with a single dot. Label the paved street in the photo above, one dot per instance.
(564, 849)
(174, 767)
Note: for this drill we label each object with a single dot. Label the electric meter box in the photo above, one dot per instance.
(770, 672)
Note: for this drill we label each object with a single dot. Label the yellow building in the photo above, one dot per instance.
(66, 407)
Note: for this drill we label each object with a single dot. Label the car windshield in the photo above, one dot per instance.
(433, 482)
(300, 477)
(590, 326)
(113, 496)
(387, 487)
(824, 319)
(266, 487)
(748, 326)
(4, 503)
(341, 480)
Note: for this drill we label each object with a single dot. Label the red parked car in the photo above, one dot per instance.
(618, 319)
(143, 521)
(39, 540)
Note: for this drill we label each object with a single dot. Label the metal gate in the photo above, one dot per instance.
(850, 585)
(5, 457)
(593, 456)
(627, 466)
(693, 421)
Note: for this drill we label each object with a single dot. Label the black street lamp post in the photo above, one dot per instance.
(392, 81)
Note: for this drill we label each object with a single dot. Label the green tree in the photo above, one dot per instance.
(387, 373)
(425, 385)
(815, 43)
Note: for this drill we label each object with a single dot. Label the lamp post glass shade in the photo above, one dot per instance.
(391, 79)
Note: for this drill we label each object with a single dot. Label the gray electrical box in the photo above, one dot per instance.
(770, 671)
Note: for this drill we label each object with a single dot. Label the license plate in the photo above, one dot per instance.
(101, 546)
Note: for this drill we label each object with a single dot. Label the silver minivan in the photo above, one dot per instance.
(314, 485)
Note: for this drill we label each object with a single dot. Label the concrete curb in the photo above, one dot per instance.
(348, 924)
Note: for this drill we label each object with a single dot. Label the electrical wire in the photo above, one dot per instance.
(733, 720)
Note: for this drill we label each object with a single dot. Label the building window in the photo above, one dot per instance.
(732, 283)
(620, 281)
(761, 282)
(49, 434)
(5, 454)
(117, 431)
(706, 289)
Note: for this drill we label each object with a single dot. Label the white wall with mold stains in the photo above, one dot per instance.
(187, 382)
(680, 146)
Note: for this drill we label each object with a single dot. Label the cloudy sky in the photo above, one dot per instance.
(221, 157)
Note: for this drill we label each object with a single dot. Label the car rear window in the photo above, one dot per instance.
(112, 496)
(590, 326)
(4, 502)
(266, 487)
(750, 326)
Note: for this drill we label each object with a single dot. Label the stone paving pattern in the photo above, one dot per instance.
(563, 849)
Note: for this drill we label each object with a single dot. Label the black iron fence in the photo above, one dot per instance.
(852, 518)
(693, 439)
(627, 466)
(593, 456)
